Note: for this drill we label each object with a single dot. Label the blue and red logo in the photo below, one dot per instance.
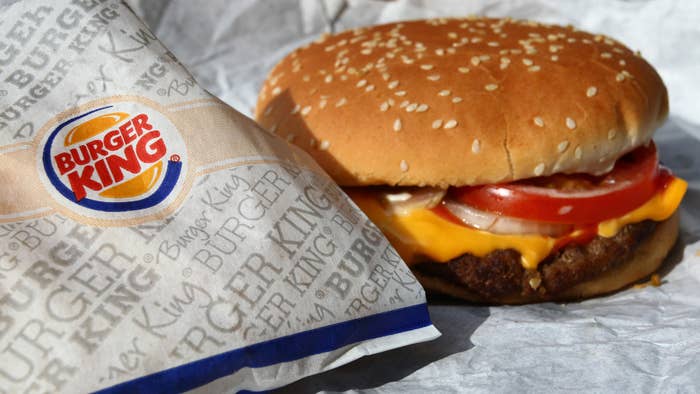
(123, 158)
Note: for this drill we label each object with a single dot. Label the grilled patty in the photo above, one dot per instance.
(500, 273)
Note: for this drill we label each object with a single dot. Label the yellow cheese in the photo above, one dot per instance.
(421, 233)
(659, 208)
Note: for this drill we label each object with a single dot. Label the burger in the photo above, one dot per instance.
(506, 161)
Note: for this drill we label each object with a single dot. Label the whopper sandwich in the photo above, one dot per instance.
(507, 161)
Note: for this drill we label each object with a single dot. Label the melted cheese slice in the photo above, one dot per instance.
(422, 234)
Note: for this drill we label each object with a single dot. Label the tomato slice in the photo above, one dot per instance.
(576, 198)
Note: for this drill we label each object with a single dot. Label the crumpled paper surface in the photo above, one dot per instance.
(638, 340)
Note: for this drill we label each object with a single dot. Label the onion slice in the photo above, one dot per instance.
(499, 224)
(403, 200)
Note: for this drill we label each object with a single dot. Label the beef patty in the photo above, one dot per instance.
(500, 273)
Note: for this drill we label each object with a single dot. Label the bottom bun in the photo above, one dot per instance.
(646, 258)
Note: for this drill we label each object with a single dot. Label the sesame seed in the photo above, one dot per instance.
(539, 169)
(369, 88)
(328, 78)
(384, 106)
(437, 123)
(440, 52)
(554, 58)
(578, 153)
(476, 146)
(392, 84)
(503, 66)
(606, 55)
(295, 109)
(570, 123)
(527, 62)
(341, 102)
(306, 78)
(535, 282)
(397, 125)
(620, 77)
(305, 111)
(434, 77)
(403, 165)
(411, 107)
(444, 93)
(426, 66)
(533, 68)
(538, 121)
(277, 90)
(475, 60)
(505, 60)
(456, 100)
(484, 58)
(463, 70)
(622, 62)
(591, 91)
(400, 93)
(268, 110)
(491, 87)
(386, 76)
(422, 108)
(322, 103)
(366, 51)
(325, 144)
(565, 209)
(562, 146)
(492, 44)
(450, 124)
(391, 101)
(611, 134)
(361, 83)
(404, 104)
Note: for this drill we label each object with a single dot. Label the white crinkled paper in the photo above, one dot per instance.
(639, 340)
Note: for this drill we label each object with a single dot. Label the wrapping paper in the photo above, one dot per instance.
(153, 239)
(638, 340)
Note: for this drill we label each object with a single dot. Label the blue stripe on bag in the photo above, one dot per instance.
(278, 350)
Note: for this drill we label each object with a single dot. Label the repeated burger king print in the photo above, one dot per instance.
(152, 239)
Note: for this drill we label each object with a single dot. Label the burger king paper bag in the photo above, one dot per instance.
(152, 239)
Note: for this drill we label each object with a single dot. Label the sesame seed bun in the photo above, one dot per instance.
(453, 102)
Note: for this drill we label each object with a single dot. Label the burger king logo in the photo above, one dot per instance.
(114, 162)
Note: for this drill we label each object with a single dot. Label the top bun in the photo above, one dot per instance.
(453, 102)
